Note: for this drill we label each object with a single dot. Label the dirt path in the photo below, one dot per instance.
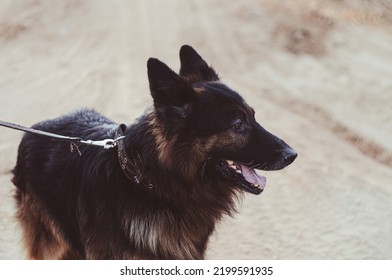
(316, 72)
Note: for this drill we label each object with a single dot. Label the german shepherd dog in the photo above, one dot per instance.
(159, 193)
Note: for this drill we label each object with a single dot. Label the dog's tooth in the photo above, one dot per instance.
(255, 185)
(230, 162)
(238, 171)
(232, 166)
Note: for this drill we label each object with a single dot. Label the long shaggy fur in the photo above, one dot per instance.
(75, 206)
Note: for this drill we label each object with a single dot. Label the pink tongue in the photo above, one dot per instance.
(251, 176)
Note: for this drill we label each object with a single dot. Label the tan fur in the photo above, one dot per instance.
(41, 236)
(169, 153)
(164, 145)
(230, 138)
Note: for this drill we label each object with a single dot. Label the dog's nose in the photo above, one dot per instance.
(289, 155)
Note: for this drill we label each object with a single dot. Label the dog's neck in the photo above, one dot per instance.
(157, 162)
(144, 148)
(185, 160)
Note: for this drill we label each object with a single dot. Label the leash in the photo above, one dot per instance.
(129, 166)
(106, 143)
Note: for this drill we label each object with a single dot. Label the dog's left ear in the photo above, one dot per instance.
(194, 68)
(168, 89)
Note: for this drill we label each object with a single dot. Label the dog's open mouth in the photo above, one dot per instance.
(247, 177)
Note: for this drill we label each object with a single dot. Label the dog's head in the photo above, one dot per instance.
(199, 123)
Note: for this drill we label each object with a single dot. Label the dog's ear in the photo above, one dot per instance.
(194, 68)
(168, 89)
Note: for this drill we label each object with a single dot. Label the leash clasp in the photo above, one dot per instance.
(106, 143)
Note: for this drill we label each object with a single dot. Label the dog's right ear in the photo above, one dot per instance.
(167, 87)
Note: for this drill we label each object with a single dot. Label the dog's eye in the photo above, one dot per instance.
(237, 125)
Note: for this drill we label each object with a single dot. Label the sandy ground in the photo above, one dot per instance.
(318, 74)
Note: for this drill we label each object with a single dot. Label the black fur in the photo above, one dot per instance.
(75, 206)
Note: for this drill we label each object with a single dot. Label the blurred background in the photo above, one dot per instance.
(318, 74)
